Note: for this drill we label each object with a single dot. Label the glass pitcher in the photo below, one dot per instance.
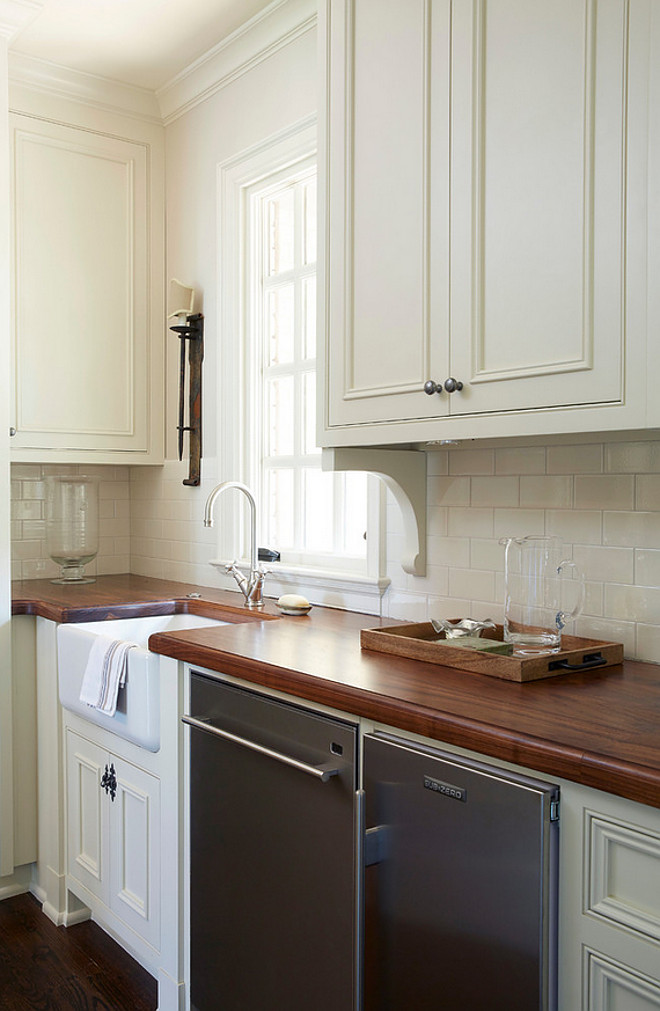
(536, 593)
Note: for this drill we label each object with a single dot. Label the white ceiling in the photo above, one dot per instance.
(139, 42)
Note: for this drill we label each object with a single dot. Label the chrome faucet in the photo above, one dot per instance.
(250, 585)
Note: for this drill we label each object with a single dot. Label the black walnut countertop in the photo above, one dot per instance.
(599, 727)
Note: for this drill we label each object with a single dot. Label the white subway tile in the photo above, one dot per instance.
(33, 490)
(30, 509)
(520, 460)
(546, 492)
(598, 564)
(604, 491)
(647, 567)
(487, 553)
(630, 529)
(593, 598)
(448, 607)
(575, 459)
(471, 461)
(648, 492)
(481, 610)
(632, 603)
(21, 550)
(113, 565)
(106, 509)
(632, 457)
(403, 606)
(495, 491)
(608, 630)
(575, 526)
(40, 568)
(58, 469)
(437, 462)
(449, 491)
(518, 522)
(648, 643)
(471, 522)
(25, 471)
(471, 584)
(435, 580)
(113, 490)
(33, 529)
(437, 518)
(454, 551)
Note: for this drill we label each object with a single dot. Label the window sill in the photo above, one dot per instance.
(345, 590)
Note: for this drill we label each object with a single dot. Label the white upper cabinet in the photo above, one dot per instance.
(89, 326)
(486, 174)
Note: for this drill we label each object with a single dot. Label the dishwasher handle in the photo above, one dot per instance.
(321, 772)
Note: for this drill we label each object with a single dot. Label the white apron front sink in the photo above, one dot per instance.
(137, 718)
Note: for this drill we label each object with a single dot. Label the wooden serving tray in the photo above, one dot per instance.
(418, 641)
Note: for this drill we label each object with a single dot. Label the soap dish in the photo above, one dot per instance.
(295, 610)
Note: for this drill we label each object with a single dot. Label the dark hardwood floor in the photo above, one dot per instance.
(75, 968)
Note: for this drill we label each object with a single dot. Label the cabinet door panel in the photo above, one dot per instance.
(611, 986)
(135, 862)
(388, 134)
(82, 287)
(86, 814)
(538, 188)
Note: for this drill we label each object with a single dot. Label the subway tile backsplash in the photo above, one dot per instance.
(30, 560)
(603, 499)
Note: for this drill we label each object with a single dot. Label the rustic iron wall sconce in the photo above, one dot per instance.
(190, 327)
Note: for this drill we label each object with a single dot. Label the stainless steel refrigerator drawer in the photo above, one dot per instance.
(460, 883)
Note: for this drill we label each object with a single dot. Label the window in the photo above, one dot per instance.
(267, 346)
(311, 517)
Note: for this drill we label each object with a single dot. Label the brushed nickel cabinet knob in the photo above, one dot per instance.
(453, 385)
(431, 387)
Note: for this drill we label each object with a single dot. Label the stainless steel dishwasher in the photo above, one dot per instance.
(273, 870)
(460, 881)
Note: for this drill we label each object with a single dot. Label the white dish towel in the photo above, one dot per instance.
(105, 673)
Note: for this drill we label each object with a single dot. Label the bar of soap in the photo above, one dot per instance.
(475, 642)
(293, 603)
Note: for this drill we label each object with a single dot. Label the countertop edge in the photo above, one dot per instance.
(601, 772)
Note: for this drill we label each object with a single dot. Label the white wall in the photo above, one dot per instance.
(6, 798)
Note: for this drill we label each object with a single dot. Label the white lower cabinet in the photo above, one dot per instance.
(113, 823)
(610, 986)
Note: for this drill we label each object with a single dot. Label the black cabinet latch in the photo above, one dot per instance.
(109, 781)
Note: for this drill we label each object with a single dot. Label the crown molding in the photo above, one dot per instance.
(263, 35)
(65, 82)
(275, 27)
(16, 14)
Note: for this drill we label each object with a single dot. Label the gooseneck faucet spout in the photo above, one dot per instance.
(251, 586)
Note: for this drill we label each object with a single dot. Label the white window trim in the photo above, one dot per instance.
(234, 178)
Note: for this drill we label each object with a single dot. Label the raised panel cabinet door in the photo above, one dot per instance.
(82, 289)
(538, 226)
(87, 834)
(611, 986)
(135, 850)
(386, 172)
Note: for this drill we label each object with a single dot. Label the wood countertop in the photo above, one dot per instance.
(599, 727)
